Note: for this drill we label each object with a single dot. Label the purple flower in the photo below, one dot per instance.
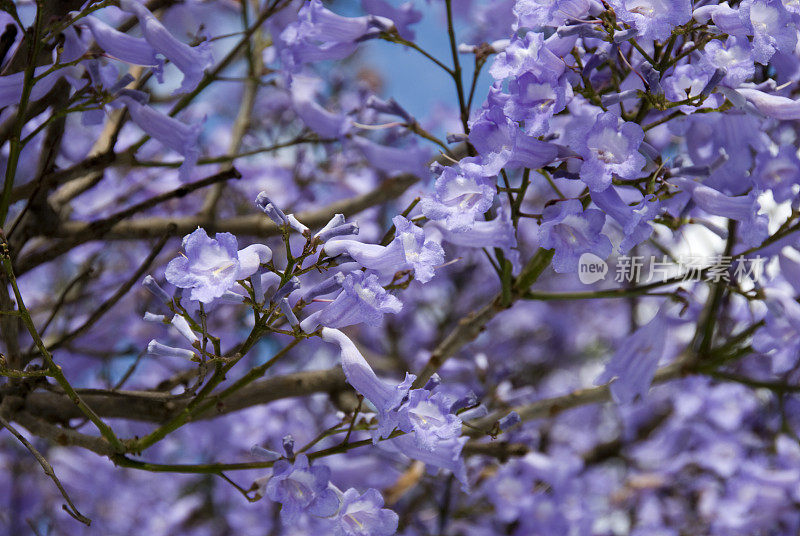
(428, 417)
(462, 193)
(534, 100)
(536, 13)
(412, 159)
(690, 81)
(326, 124)
(772, 27)
(364, 515)
(609, 147)
(192, 62)
(635, 221)
(496, 233)
(528, 54)
(179, 137)
(744, 209)
(654, 19)
(770, 105)
(11, 86)
(211, 267)
(735, 55)
(571, 232)
(383, 395)
(301, 488)
(122, 46)
(633, 366)
(778, 173)
(319, 34)
(410, 250)
(780, 336)
(501, 142)
(403, 16)
(725, 18)
(446, 455)
(362, 300)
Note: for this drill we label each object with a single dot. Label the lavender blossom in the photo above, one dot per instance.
(633, 366)
(654, 19)
(211, 267)
(609, 147)
(364, 515)
(571, 232)
(461, 195)
(410, 249)
(301, 488)
(362, 300)
(192, 62)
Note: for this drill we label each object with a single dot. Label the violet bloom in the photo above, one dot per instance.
(410, 249)
(726, 18)
(635, 221)
(779, 173)
(528, 54)
(536, 13)
(11, 85)
(179, 137)
(772, 27)
(383, 395)
(534, 100)
(496, 233)
(780, 336)
(775, 106)
(687, 81)
(571, 232)
(411, 159)
(501, 143)
(654, 19)
(735, 55)
(428, 416)
(124, 47)
(403, 16)
(301, 488)
(362, 300)
(192, 62)
(446, 455)
(211, 267)
(633, 366)
(609, 147)
(462, 193)
(364, 515)
(326, 124)
(319, 34)
(743, 208)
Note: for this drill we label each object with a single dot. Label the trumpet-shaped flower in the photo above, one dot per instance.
(364, 515)
(410, 249)
(191, 61)
(300, 488)
(211, 266)
(362, 300)
(654, 19)
(571, 232)
(609, 147)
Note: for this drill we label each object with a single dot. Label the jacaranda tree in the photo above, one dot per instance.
(261, 277)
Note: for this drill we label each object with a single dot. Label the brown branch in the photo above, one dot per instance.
(251, 225)
(159, 407)
(98, 229)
